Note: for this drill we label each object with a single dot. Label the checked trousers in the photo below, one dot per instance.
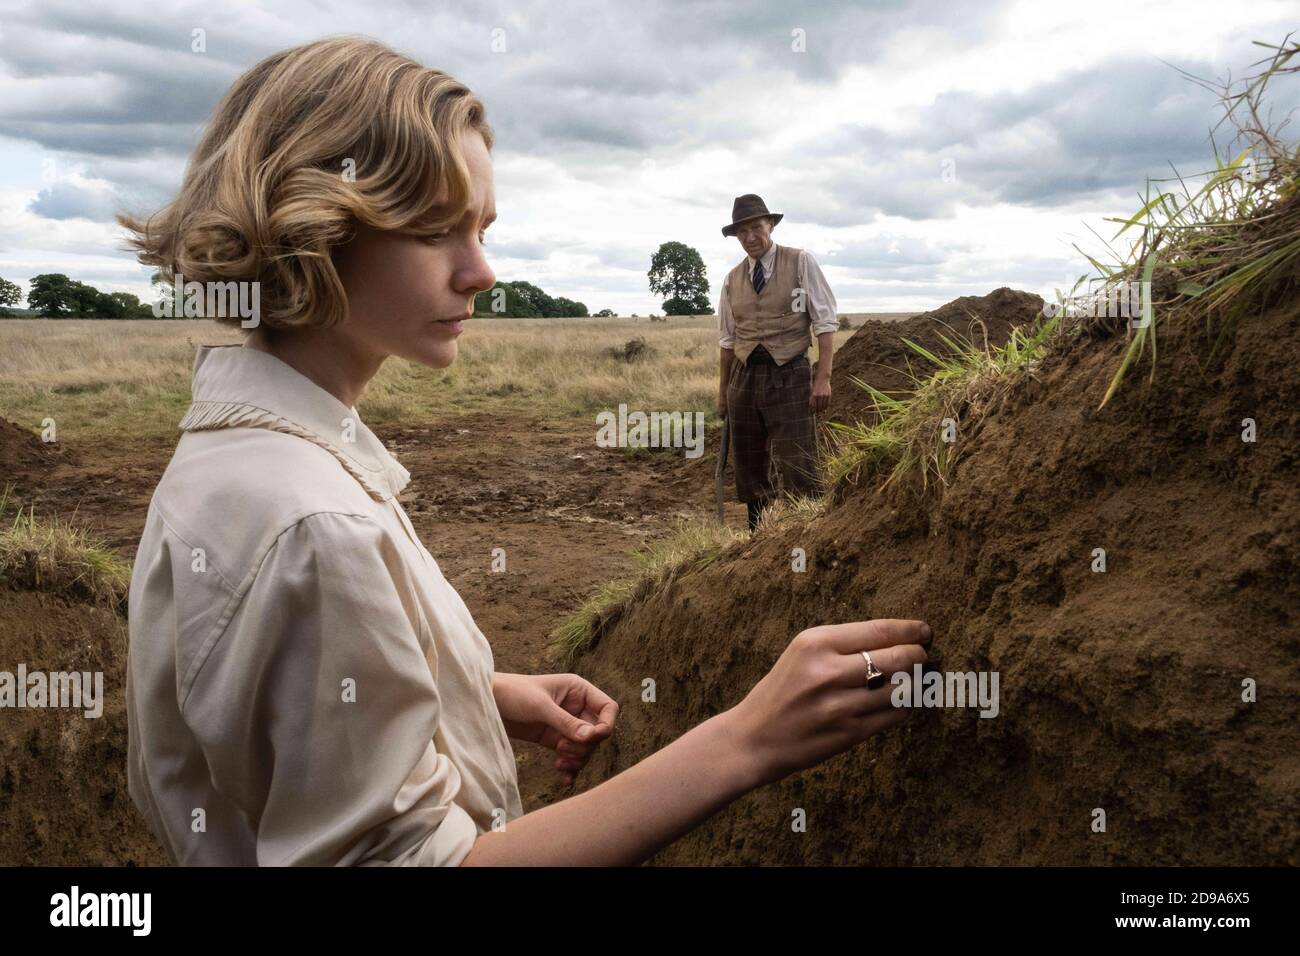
(773, 438)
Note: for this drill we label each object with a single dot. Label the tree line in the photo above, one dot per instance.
(676, 271)
(55, 296)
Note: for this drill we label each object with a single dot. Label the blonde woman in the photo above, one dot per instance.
(304, 685)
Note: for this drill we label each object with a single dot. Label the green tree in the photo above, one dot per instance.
(130, 306)
(525, 300)
(565, 308)
(52, 295)
(10, 294)
(55, 296)
(515, 305)
(542, 302)
(677, 272)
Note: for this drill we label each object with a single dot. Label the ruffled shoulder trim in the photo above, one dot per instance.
(209, 416)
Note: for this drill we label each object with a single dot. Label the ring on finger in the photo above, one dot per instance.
(875, 676)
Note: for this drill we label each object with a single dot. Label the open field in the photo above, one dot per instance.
(129, 381)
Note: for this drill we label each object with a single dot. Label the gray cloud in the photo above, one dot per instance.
(67, 200)
(592, 90)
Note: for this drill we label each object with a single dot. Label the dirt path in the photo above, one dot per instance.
(567, 513)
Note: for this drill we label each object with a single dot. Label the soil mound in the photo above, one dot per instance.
(63, 790)
(877, 354)
(1120, 690)
(21, 451)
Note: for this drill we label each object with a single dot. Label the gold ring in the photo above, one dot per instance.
(872, 670)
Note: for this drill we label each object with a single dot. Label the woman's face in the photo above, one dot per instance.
(409, 296)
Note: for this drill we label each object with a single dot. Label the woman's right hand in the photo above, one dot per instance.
(814, 703)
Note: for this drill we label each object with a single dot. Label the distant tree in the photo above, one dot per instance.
(10, 294)
(677, 272)
(55, 296)
(524, 300)
(513, 304)
(130, 306)
(677, 306)
(567, 308)
(606, 314)
(542, 302)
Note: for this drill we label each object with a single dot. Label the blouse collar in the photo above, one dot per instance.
(237, 387)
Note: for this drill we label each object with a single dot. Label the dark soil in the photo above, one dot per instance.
(1120, 691)
(877, 354)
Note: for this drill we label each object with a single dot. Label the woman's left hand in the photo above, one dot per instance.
(559, 711)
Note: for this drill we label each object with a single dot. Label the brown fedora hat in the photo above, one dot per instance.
(747, 207)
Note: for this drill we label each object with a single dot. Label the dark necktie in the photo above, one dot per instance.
(759, 279)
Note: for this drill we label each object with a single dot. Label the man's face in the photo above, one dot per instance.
(402, 290)
(755, 235)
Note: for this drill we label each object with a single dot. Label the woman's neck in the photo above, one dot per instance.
(323, 355)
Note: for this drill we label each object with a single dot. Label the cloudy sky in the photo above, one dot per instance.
(921, 150)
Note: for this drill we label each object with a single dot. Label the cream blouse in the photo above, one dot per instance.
(303, 685)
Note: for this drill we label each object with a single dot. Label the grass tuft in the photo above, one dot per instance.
(691, 545)
(1212, 255)
(53, 556)
(919, 433)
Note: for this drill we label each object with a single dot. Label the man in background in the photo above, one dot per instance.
(772, 304)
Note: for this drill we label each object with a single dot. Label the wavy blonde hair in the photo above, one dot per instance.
(266, 195)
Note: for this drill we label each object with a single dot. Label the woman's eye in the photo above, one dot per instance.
(437, 237)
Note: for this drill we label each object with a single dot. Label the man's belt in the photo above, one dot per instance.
(761, 356)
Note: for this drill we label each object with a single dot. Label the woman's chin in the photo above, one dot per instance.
(434, 354)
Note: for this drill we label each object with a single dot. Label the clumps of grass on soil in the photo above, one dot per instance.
(691, 545)
(53, 556)
(917, 434)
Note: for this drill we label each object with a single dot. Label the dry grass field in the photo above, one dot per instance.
(122, 380)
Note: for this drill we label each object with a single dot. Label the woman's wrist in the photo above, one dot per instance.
(631, 816)
(738, 757)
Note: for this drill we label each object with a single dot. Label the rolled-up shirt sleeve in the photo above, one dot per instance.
(317, 706)
(821, 300)
(726, 324)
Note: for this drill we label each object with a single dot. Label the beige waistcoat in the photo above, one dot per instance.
(769, 317)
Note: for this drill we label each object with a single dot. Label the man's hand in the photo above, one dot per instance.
(559, 711)
(820, 399)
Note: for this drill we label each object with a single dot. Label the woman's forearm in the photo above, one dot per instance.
(631, 816)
